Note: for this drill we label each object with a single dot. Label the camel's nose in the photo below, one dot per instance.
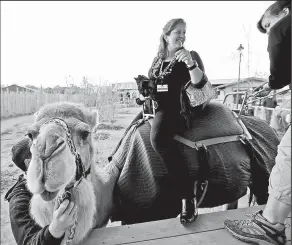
(49, 140)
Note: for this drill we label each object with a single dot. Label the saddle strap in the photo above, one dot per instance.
(250, 152)
(207, 142)
(204, 167)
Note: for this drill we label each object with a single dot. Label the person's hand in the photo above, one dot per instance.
(184, 55)
(63, 218)
(141, 97)
(265, 91)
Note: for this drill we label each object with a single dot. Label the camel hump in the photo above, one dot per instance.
(216, 120)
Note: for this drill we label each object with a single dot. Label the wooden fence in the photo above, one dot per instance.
(14, 104)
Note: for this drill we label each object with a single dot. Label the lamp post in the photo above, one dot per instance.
(240, 48)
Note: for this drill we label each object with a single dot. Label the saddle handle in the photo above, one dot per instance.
(149, 112)
(238, 109)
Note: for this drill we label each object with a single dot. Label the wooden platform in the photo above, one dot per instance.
(207, 229)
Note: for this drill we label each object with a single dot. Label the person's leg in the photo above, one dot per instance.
(268, 225)
(279, 203)
(161, 135)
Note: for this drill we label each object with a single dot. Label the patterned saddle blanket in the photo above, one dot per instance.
(144, 191)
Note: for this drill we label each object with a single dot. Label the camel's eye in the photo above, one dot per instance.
(29, 136)
(84, 135)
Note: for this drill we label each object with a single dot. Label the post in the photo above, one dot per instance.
(240, 48)
(238, 80)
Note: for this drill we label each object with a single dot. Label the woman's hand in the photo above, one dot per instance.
(264, 91)
(63, 218)
(184, 56)
(141, 97)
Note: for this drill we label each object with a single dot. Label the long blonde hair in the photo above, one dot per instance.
(167, 29)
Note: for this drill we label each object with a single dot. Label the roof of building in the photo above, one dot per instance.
(221, 81)
(241, 81)
(124, 86)
(9, 86)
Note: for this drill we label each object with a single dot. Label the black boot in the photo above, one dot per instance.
(189, 211)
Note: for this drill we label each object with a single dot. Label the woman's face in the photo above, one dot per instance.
(177, 37)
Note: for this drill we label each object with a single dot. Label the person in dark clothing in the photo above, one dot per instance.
(171, 69)
(269, 103)
(277, 24)
(24, 228)
(267, 226)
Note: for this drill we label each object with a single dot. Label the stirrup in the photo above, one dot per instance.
(204, 187)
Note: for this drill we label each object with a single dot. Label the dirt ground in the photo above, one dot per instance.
(106, 138)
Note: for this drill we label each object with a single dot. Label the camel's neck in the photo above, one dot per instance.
(104, 180)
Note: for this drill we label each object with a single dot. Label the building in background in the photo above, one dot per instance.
(126, 90)
(17, 88)
(245, 84)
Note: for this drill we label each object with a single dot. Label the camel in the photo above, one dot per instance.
(52, 168)
(62, 131)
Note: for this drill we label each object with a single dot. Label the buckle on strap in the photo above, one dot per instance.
(242, 139)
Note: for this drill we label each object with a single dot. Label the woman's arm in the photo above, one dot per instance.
(195, 66)
(198, 77)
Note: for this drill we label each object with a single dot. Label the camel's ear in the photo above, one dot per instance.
(35, 115)
(21, 153)
(136, 78)
(94, 119)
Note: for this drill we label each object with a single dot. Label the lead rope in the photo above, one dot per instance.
(72, 232)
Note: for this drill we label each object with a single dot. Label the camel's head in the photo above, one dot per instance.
(52, 164)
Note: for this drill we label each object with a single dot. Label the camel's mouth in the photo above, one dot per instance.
(48, 196)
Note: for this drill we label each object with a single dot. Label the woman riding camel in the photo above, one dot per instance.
(171, 69)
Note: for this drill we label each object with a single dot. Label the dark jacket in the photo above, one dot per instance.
(25, 230)
(279, 49)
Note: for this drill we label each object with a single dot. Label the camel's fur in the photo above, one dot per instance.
(94, 195)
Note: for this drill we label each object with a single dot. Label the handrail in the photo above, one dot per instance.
(269, 95)
(246, 98)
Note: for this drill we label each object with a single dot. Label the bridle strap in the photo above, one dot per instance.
(80, 169)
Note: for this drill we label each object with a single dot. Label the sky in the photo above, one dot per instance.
(49, 43)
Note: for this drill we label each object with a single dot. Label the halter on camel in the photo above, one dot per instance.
(79, 175)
